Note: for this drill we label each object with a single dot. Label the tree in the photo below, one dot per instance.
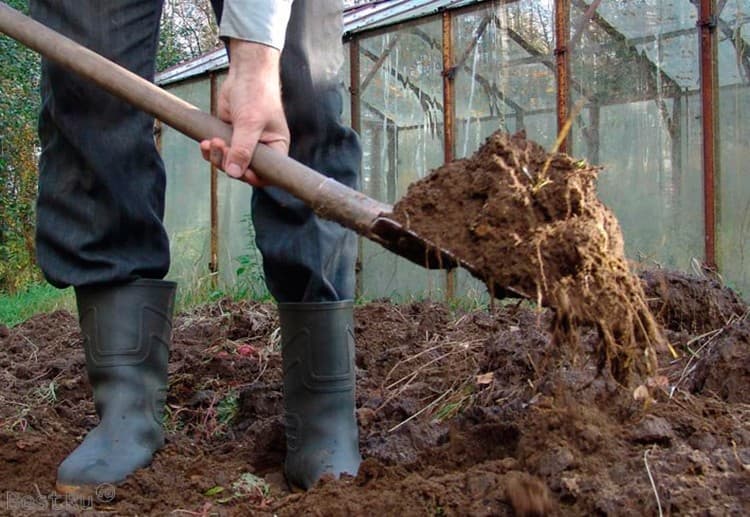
(19, 149)
(188, 30)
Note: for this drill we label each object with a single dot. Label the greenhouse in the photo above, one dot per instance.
(653, 91)
(573, 170)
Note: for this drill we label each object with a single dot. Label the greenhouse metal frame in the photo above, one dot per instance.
(597, 58)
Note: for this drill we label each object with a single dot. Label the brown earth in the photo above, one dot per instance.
(461, 413)
(531, 221)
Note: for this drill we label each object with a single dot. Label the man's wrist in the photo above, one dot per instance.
(252, 57)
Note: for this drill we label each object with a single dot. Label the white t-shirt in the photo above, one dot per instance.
(261, 21)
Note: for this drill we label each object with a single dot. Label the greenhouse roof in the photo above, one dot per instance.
(357, 19)
(214, 60)
(388, 12)
(620, 51)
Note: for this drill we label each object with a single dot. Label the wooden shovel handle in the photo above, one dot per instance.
(328, 198)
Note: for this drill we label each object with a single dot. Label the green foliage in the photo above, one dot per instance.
(228, 408)
(214, 490)
(188, 30)
(248, 487)
(19, 104)
(47, 393)
(250, 281)
(170, 52)
(34, 299)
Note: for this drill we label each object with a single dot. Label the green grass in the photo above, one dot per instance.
(42, 298)
(36, 299)
(189, 296)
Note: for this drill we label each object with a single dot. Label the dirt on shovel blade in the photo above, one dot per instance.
(532, 221)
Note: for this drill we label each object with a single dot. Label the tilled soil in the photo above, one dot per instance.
(461, 413)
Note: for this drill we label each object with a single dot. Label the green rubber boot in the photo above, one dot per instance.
(319, 382)
(127, 330)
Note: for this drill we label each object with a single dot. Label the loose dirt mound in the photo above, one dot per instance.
(532, 221)
(709, 320)
(460, 414)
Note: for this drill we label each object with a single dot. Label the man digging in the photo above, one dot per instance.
(99, 224)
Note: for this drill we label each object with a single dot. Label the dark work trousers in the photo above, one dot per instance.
(101, 186)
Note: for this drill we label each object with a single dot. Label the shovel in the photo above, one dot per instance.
(328, 198)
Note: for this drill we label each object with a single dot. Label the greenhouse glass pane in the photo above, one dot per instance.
(736, 12)
(237, 252)
(675, 58)
(188, 184)
(734, 54)
(633, 65)
(630, 55)
(346, 93)
(401, 74)
(401, 86)
(664, 31)
(639, 18)
(504, 72)
(733, 228)
(734, 38)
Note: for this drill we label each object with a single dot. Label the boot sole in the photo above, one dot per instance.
(101, 493)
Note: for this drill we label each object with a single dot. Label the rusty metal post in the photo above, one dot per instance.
(449, 121)
(213, 265)
(356, 123)
(709, 100)
(562, 68)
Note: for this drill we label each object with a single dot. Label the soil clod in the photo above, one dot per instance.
(532, 221)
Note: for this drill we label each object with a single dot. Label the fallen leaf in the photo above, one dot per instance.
(659, 381)
(214, 491)
(485, 378)
(641, 393)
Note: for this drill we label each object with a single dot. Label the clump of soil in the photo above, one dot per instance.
(690, 303)
(710, 320)
(460, 413)
(531, 221)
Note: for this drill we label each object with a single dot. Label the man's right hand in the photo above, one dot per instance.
(249, 100)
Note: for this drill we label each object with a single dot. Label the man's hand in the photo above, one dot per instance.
(249, 100)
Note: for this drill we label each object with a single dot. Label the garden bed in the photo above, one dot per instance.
(460, 413)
